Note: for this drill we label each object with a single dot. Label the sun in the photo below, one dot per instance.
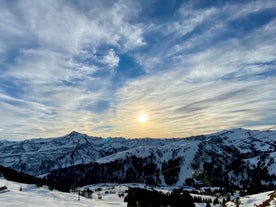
(142, 118)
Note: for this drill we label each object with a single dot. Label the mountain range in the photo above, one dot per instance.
(233, 158)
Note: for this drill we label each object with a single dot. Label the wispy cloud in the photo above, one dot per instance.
(111, 59)
(54, 57)
(213, 79)
(95, 65)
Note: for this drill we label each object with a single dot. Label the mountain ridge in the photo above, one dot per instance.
(236, 157)
(41, 155)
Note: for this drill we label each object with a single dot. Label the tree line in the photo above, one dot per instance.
(139, 197)
(20, 177)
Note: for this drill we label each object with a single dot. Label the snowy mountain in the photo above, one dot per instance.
(40, 156)
(237, 157)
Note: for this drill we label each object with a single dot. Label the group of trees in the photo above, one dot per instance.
(133, 169)
(170, 170)
(238, 174)
(227, 172)
(15, 176)
(138, 197)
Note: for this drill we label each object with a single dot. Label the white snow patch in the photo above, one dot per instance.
(252, 200)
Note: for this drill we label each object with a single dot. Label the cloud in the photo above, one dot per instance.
(105, 128)
(239, 10)
(96, 106)
(50, 54)
(84, 65)
(111, 59)
(176, 106)
(195, 34)
(205, 79)
(62, 28)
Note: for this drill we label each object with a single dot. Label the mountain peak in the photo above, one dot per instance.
(76, 134)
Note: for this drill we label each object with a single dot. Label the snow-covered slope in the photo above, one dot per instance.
(268, 198)
(31, 196)
(184, 148)
(235, 157)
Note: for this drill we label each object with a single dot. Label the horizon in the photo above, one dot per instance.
(137, 68)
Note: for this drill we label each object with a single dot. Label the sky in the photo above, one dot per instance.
(194, 67)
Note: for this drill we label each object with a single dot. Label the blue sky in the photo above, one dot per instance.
(194, 67)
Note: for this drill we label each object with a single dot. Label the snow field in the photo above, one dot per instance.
(253, 200)
(31, 196)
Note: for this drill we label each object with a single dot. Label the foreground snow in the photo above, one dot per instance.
(31, 196)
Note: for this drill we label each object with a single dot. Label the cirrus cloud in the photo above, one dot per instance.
(93, 66)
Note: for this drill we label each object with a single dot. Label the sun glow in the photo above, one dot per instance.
(142, 118)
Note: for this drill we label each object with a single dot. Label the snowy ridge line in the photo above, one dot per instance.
(259, 132)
